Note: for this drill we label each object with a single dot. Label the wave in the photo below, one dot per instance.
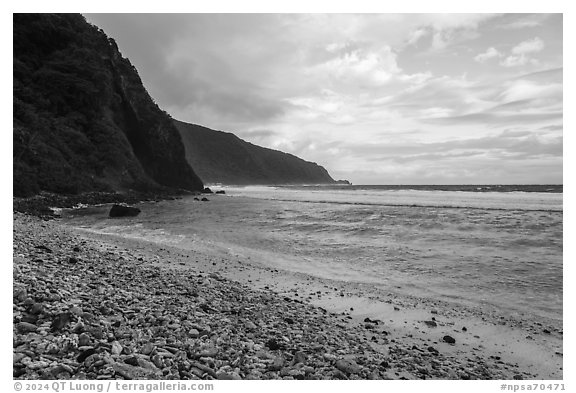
(438, 206)
(377, 196)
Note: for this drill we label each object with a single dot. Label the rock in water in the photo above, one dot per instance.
(123, 211)
(449, 339)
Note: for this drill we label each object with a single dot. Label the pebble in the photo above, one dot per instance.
(116, 348)
(84, 340)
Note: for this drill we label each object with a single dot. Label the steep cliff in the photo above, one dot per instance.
(222, 157)
(83, 121)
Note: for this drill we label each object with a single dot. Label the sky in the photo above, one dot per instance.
(374, 98)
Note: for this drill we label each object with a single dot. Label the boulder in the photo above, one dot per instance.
(207, 191)
(220, 192)
(123, 211)
(347, 366)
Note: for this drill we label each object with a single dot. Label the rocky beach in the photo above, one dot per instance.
(92, 306)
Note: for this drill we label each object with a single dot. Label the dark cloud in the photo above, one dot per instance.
(508, 143)
(556, 127)
(495, 119)
(198, 64)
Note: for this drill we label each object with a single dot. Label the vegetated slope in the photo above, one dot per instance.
(83, 121)
(222, 157)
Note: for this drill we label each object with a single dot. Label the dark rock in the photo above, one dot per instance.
(274, 345)
(546, 331)
(430, 323)
(464, 329)
(18, 372)
(84, 355)
(289, 320)
(206, 308)
(220, 192)
(131, 360)
(207, 191)
(196, 199)
(432, 350)
(123, 211)
(60, 321)
(72, 260)
(449, 339)
(518, 377)
(44, 248)
(205, 199)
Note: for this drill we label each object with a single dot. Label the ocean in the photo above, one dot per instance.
(497, 247)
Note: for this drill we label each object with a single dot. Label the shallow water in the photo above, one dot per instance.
(498, 249)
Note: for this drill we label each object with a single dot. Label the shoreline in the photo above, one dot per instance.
(43, 204)
(399, 334)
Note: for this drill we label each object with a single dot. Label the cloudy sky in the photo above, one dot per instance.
(374, 98)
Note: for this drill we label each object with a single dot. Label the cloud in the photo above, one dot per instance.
(494, 119)
(522, 89)
(489, 54)
(523, 21)
(521, 53)
(530, 46)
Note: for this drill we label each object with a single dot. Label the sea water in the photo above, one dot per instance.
(475, 245)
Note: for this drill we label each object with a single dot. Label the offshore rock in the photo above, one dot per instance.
(123, 211)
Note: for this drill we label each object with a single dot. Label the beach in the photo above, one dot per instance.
(144, 307)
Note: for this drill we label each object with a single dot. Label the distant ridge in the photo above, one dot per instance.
(222, 157)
